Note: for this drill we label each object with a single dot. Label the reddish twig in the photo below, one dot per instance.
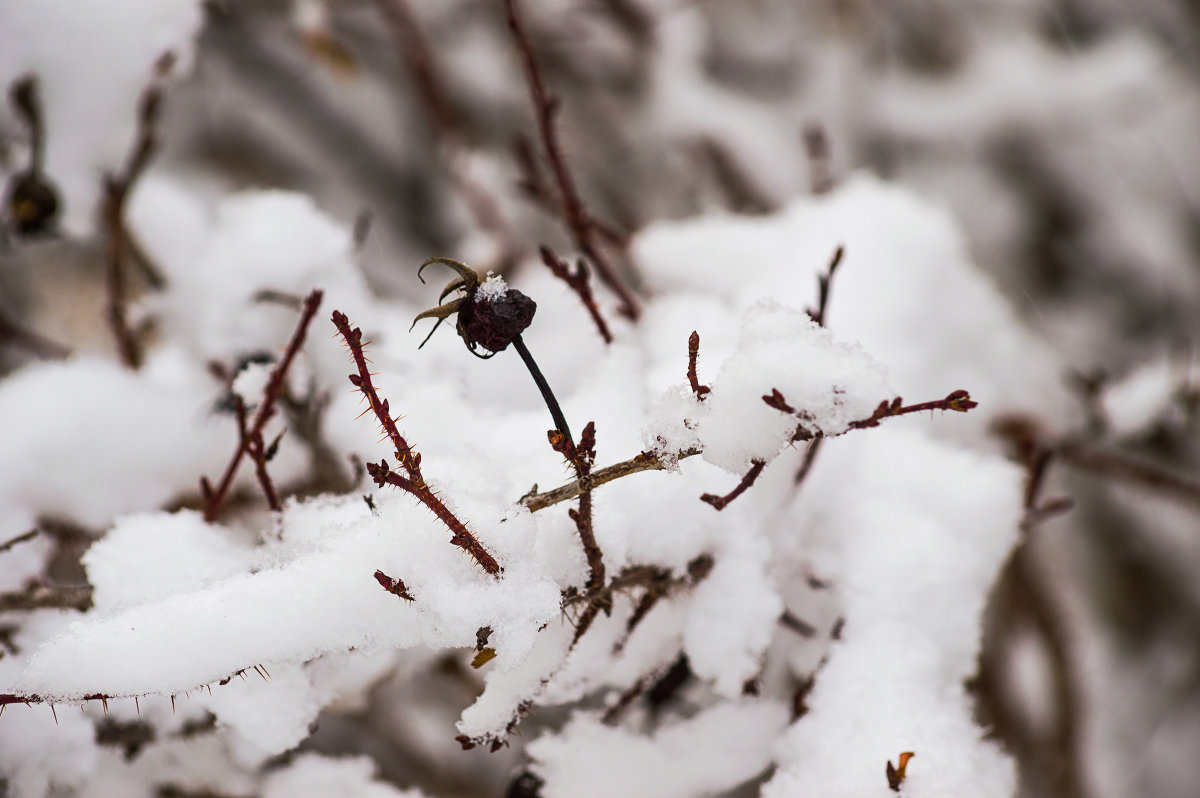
(411, 481)
(578, 281)
(958, 401)
(117, 188)
(824, 282)
(213, 498)
(253, 444)
(575, 216)
(720, 502)
(394, 586)
(693, 378)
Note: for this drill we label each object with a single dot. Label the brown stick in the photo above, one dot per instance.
(117, 188)
(720, 502)
(693, 355)
(575, 215)
(213, 498)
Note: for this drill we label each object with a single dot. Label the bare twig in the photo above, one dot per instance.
(693, 378)
(19, 539)
(810, 457)
(75, 597)
(824, 283)
(578, 281)
(575, 215)
(411, 481)
(117, 188)
(744, 195)
(213, 498)
(720, 502)
(253, 444)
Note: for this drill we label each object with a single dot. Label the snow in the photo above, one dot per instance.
(711, 752)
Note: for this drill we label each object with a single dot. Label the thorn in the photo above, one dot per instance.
(172, 703)
(2, 708)
(264, 667)
(55, 714)
(209, 686)
(104, 703)
(138, 705)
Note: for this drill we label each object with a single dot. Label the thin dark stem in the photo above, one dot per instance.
(693, 355)
(560, 421)
(213, 498)
(824, 283)
(253, 444)
(810, 458)
(19, 539)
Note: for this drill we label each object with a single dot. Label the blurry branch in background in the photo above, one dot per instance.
(117, 188)
(575, 215)
(743, 194)
(579, 281)
(816, 146)
(418, 59)
(14, 334)
(1023, 602)
(1105, 462)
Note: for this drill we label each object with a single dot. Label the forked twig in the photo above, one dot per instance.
(214, 497)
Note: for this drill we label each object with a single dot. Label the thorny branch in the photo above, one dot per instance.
(411, 481)
(576, 217)
(117, 188)
(214, 497)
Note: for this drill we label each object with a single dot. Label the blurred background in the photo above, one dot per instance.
(1063, 135)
